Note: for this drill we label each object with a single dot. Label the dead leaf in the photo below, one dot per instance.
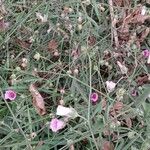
(71, 147)
(142, 79)
(139, 19)
(53, 45)
(38, 101)
(107, 145)
(91, 40)
(23, 44)
(122, 3)
(104, 103)
(118, 106)
(144, 34)
(128, 122)
(2, 8)
(3, 25)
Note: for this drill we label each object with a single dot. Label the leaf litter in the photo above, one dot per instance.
(37, 100)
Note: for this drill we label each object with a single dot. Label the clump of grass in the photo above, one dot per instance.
(69, 56)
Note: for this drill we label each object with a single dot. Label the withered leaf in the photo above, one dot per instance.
(122, 3)
(118, 106)
(142, 79)
(23, 44)
(139, 18)
(53, 45)
(3, 25)
(37, 100)
(107, 145)
(2, 8)
(128, 122)
(144, 34)
(91, 40)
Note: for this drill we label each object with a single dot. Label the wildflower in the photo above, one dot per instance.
(61, 102)
(120, 93)
(134, 93)
(66, 112)
(69, 72)
(43, 18)
(80, 27)
(56, 54)
(37, 56)
(62, 91)
(57, 124)
(94, 97)
(122, 67)
(110, 86)
(24, 62)
(80, 20)
(76, 71)
(146, 53)
(10, 94)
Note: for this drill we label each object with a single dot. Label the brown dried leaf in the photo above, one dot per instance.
(118, 106)
(128, 122)
(53, 45)
(139, 19)
(3, 25)
(91, 40)
(23, 44)
(107, 145)
(148, 1)
(118, 2)
(38, 101)
(2, 8)
(144, 34)
(122, 2)
(71, 147)
(142, 79)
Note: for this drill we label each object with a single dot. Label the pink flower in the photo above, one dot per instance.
(94, 97)
(57, 124)
(10, 94)
(134, 93)
(146, 53)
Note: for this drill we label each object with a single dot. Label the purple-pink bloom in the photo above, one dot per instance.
(10, 94)
(57, 124)
(146, 53)
(94, 97)
(134, 93)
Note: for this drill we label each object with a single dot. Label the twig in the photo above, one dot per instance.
(113, 29)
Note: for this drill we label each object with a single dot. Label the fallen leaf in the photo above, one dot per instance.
(71, 147)
(107, 145)
(38, 101)
(142, 79)
(42, 18)
(144, 34)
(118, 106)
(128, 122)
(122, 67)
(53, 45)
(91, 40)
(122, 3)
(139, 19)
(23, 44)
(3, 25)
(2, 8)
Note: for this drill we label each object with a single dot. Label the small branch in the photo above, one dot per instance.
(113, 29)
